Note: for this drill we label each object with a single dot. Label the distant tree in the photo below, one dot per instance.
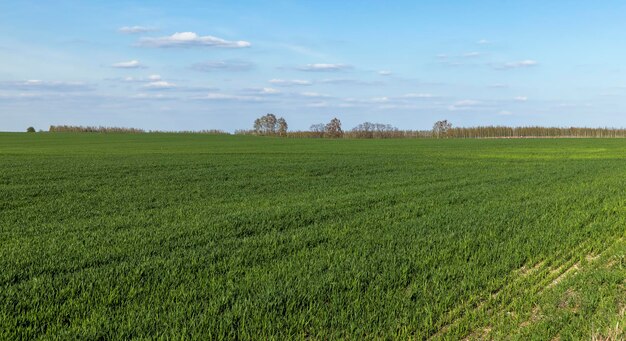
(441, 128)
(81, 129)
(318, 129)
(370, 130)
(333, 129)
(282, 127)
(270, 125)
(30, 130)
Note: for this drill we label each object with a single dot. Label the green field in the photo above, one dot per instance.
(240, 237)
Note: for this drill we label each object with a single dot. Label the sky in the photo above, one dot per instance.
(193, 65)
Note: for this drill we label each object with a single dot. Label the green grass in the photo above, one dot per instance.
(222, 237)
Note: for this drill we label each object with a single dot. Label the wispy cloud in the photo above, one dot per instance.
(131, 64)
(521, 99)
(516, 65)
(136, 29)
(226, 65)
(262, 91)
(191, 39)
(384, 73)
(151, 96)
(483, 42)
(290, 82)
(303, 50)
(35, 84)
(323, 67)
(156, 83)
(230, 98)
(472, 54)
(418, 95)
(466, 104)
(310, 94)
(349, 81)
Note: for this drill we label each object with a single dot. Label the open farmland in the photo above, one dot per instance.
(223, 237)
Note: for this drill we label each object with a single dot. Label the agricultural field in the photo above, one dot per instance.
(183, 236)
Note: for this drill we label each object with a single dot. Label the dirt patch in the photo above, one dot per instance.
(613, 334)
(564, 275)
(527, 270)
(481, 334)
(535, 316)
(591, 257)
(570, 301)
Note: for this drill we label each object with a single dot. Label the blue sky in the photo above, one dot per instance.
(189, 65)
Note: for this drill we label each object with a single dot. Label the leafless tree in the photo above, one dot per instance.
(270, 125)
(257, 126)
(282, 127)
(368, 130)
(318, 129)
(441, 128)
(333, 129)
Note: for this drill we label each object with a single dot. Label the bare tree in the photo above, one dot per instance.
(318, 129)
(441, 128)
(257, 126)
(270, 125)
(333, 129)
(282, 127)
(369, 130)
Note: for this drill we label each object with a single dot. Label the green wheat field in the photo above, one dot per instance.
(190, 236)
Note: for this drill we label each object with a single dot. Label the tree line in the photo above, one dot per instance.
(271, 125)
(108, 130)
(441, 129)
(532, 132)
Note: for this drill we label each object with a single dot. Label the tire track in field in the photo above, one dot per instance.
(530, 281)
(545, 277)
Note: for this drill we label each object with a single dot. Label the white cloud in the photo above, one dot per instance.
(132, 64)
(226, 65)
(384, 73)
(318, 105)
(155, 77)
(36, 84)
(349, 81)
(159, 85)
(228, 97)
(322, 67)
(292, 82)
(472, 54)
(150, 96)
(483, 42)
(191, 39)
(268, 91)
(418, 95)
(465, 105)
(521, 98)
(313, 95)
(135, 29)
(505, 113)
(516, 65)
(260, 91)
